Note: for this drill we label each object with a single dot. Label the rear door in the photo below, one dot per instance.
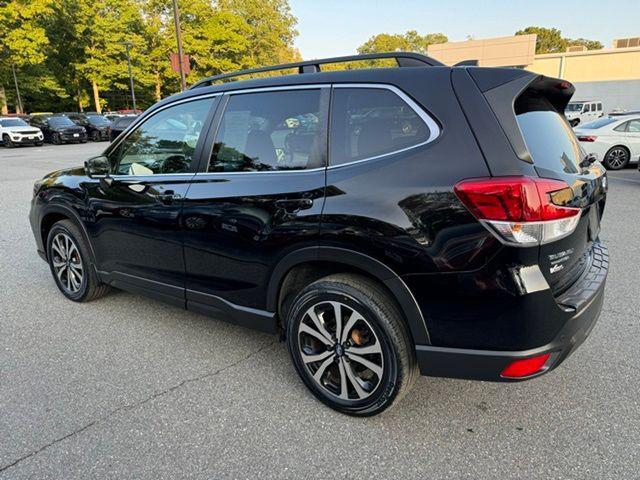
(632, 135)
(258, 195)
(557, 154)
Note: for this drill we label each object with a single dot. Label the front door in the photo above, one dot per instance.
(259, 196)
(136, 231)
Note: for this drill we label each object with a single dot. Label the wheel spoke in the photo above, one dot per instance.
(363, 361)
(355, 316)
(55, 246)
(321, 369)
(68, 280)
(314, 333)
(74, 280)
(362, 393)
(344, 388)
(58, 264)
(60, 271)
(338, 316)
(369, 349)
(316, 357)
(318, 323)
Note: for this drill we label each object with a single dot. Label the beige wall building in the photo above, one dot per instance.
(611, 75)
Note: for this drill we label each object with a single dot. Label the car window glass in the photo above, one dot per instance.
(13, 122)
(622, 127)
(634, 126)
(270, 131)
(599, 106)
(587, 108)
(367, 122)
(164, 143)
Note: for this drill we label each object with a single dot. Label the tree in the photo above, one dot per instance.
(270, 29)
(549, 40)
(590, 44)
(410, 41)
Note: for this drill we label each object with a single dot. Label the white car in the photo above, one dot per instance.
(614, 140)
(15, 131)
(580, 112)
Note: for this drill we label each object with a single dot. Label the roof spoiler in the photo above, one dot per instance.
(468, 63)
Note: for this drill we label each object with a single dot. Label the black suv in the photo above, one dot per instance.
(96, 125)
(59, 129)
(384, 221)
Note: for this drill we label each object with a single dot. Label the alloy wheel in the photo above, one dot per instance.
(67, 263)
(340, 350)
(617, 158)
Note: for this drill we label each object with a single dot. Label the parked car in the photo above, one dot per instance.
(15, 131)
(59, 129)
(96, 125)
(579, 112)
(385, 222)
(615, 140)
(119, 125)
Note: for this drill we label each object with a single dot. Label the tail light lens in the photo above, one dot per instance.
(520, 210)
(587, 138)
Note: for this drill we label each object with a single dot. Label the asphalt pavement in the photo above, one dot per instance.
(126, 387)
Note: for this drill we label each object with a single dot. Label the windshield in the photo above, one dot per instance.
(601, 122)
(574, 107)
(61, 122)
(13, 122)
(97, 120)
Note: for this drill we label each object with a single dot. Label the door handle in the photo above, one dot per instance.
(293, 205)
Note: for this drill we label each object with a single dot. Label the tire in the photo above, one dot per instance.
(55, 139)
(574, 123)
(39, 144)
(616, 158)
(65, 241)
(7, 142)
(95, 136)
(379, 328)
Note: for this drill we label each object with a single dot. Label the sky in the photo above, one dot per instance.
(332, 27)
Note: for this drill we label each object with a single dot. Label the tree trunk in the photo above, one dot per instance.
(3, 101)
(96, 96)
(80, 101)
(158, 87)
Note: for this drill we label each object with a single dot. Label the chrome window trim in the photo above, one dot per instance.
(115, 145)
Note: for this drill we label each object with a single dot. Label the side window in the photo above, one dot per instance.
(622, 127)
(164, 143)
(634, 126)
(270, 131)
(367, 122)
(587, 107)
(599, 106)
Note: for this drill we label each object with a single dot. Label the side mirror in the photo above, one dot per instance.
(97, 166)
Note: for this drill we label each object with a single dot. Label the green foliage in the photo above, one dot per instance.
(410, 41)
(64, 50)
(550, 40)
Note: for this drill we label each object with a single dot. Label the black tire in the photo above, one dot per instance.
(381, 321)
(90, 287)
(616, 158)
(574, 123)
(39, 144)
(55, 139)
(95, 136)
(7, 142)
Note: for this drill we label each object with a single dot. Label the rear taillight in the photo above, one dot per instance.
(587, 138)
(525, 367)
(520, 210)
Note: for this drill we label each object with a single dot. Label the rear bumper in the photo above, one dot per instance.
(582, 303)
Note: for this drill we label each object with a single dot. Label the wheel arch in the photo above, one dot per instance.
(350, 261)
(55, 213)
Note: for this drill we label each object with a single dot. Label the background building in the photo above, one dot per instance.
(611, 75)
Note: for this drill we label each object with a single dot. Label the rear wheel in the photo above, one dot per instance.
(68, 255)
(350, 345)
(616, 158)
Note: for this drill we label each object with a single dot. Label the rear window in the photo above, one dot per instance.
(547, 134)
(601, 122)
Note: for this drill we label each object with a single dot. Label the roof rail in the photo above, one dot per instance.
(404, 59)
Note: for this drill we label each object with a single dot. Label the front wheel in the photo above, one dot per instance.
(7, 142)
(55, 139)
(349, 344)
(68, 256)
(616, 158)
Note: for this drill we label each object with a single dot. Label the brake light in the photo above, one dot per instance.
(520, 210)
(525, 367)
(587, 138)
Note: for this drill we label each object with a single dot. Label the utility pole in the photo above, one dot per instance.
(176, 20)
(133, 93)
(15, 80)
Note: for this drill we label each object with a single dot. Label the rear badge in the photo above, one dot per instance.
(557, 260)
(556, 268)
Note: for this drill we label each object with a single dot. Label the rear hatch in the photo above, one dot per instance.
(557, 154)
